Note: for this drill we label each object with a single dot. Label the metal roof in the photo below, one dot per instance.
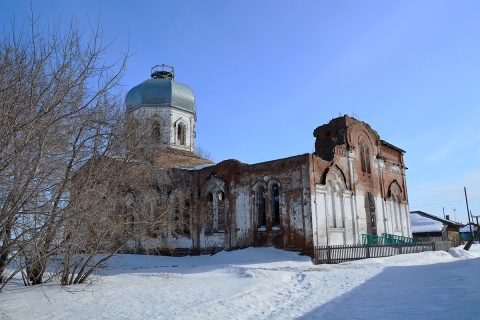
(161, 92)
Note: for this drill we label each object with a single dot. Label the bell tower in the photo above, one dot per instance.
(165, 110)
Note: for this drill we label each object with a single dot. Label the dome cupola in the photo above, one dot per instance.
(161, 91)
(165, 109)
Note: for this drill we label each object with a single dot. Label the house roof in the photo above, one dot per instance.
(424, 222)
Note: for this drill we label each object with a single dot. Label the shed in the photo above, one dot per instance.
(428, 227)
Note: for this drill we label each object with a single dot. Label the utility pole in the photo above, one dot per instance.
(468, 211)
(470, 242)
(477, 226)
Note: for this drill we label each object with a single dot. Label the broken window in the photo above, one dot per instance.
(220, 226)
(262, 218)
(275, 206)
(215, 218)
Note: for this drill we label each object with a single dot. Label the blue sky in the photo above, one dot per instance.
(266, 73)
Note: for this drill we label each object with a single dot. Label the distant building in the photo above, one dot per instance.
(432, 228)
(353, 184)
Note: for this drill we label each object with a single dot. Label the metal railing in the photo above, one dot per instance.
(344, 253)
(387, 239)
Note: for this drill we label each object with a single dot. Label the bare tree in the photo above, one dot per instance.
(77, 183)
(59, 107)
(203, 153)
(125, 205)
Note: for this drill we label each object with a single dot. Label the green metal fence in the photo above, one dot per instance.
(465, 236)
(387, 239)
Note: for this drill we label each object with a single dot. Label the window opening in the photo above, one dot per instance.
(371, 215)
(156, 131)
(181, 218)
(209, 214)
(129, 207)
(181, 134)
(275, 206)
(364, 156)
(177, 219)
(186, 218)
(220, 226)
(262, 219)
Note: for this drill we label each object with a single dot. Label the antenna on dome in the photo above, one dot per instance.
(159, 72)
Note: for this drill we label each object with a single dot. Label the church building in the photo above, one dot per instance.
(353, 184)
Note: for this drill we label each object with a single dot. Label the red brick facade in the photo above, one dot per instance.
(354, 183)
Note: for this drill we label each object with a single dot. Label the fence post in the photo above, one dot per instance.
(368, 251)
(329, 255)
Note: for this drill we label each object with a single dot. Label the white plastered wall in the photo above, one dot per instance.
(169, 118)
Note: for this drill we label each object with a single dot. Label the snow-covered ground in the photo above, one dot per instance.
(262, 283)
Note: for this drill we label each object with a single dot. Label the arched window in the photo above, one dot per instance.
(156, 133)
(364, 155)
(181, 132)
(262, 218)
(216, 208)
(275, 205)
